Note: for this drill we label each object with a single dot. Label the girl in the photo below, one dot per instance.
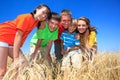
(14, 33)
(87, 37)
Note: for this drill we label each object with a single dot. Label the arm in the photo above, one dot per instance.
(73, 48)
(92, 38)
(17, 43)
(49, 48)
(90, 42)
(36, 48)
(62, 50)
(61, 44)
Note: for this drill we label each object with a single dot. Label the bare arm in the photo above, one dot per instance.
(73, 48)
(17, 43)
(36, 48)
(49, 48)
(62, 50)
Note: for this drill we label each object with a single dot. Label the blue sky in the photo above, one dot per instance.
(104, 15)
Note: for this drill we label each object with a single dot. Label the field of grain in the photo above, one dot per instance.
(106, 66)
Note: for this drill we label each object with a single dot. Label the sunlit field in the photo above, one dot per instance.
(106, 66)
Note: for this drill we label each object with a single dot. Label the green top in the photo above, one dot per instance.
(44, 34)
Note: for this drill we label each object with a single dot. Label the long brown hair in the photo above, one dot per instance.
(84, 36)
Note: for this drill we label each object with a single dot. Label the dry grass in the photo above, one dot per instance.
(105, 67)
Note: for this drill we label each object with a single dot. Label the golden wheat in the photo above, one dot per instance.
(106, 66)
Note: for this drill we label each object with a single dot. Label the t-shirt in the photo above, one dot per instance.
(69, 39)
(24, 22)
(60, 30)
(45, 35)
(91, 39)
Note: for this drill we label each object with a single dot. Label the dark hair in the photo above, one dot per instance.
(54, 16)
(39, 23)
(41, 6)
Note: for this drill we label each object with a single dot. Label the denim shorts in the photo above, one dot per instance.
(4, 44)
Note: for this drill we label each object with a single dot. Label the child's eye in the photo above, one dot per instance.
(82, 25)
(44, 12)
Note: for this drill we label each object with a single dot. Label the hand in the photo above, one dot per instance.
(15, 60)
(62, 51)
(68, 49)
(66, 52)
(76, 48)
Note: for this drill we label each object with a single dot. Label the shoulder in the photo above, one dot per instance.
(65, 32)
(74, 33)
(59, 24)
(25, 15)
(93, 33)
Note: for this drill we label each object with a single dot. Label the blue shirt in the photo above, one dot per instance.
(69, 39)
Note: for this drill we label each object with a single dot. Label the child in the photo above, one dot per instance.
(70, 45)
(65, 22)
(68, 38)
(45, 35)
(87, 37)
(14, 33)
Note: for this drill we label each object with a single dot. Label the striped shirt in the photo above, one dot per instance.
(69, 39)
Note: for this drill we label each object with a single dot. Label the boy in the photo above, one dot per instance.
(71, 41)
(43, 38)
(65, 22)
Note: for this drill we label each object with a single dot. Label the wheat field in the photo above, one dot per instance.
(106, 66)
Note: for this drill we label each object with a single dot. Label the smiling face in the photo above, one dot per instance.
(53, 24)
(73, 26)
(82, 26)
(71, 29)
(41, 14)
(66, 21)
